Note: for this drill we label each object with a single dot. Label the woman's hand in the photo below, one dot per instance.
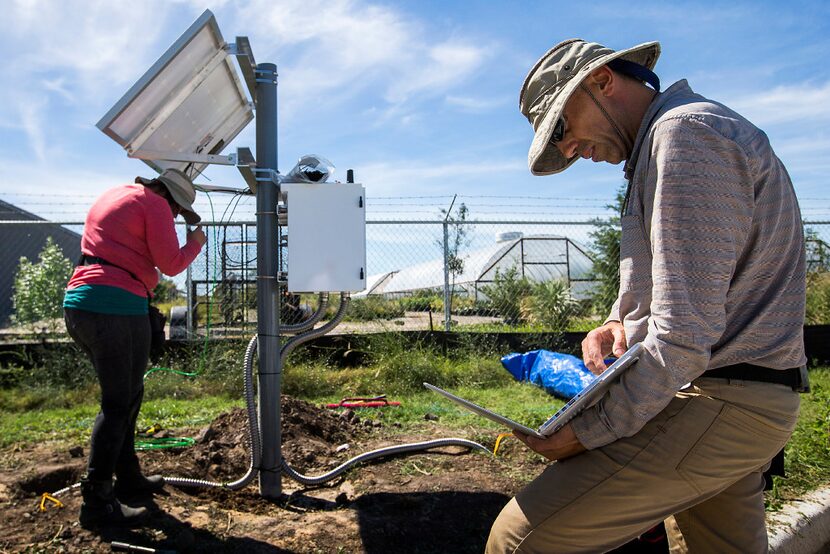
(198, 235)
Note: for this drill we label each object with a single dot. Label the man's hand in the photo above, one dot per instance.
(560, 445)
(198, 235)
(602, 341)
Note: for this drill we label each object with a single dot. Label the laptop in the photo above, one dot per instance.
(585, 398)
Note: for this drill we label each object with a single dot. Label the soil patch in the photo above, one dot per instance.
(439, 501)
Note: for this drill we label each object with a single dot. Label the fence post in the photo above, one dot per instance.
(191, 302)
(447, 299)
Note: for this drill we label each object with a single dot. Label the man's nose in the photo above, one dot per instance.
(568, 146)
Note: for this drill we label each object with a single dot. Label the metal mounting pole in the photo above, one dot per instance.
(270, 370)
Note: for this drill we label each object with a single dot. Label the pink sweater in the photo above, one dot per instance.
(132, 227)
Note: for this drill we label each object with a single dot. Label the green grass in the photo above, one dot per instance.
(73, 425)
(39, 410)
(807, 458)
(576, 324)
(520, 401)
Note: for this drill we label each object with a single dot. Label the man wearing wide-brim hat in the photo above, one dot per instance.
(712, 283)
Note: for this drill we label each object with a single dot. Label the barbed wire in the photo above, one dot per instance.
(67, 205)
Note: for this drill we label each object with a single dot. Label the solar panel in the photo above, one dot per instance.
(187, 107)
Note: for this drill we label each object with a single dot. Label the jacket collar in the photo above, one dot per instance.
(680, 88)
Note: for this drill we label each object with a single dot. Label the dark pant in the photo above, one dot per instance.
(119, 347)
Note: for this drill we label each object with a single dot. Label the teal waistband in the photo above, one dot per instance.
(104, 299)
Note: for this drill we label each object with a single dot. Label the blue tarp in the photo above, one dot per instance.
(559, 374)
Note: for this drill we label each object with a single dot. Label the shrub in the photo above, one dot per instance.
(39, 287)
(468, 305)
(818, 298)
(476, 307)
(421, 303)
(506, 293)
(371, 308)
(551, 305)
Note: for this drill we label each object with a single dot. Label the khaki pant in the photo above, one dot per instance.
(701, 458)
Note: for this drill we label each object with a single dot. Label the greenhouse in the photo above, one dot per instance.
(537, 257)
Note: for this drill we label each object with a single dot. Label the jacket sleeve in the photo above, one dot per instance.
(163, 243)
(700, 223)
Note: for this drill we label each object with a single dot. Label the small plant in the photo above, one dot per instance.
(551, 305)
(422, 302)
(506, 294)
(38, 287)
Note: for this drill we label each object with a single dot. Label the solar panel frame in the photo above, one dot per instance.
(190, 101)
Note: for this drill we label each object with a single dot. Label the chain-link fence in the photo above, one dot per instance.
(471, 276)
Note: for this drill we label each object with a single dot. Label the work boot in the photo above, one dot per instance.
(137, 489)
(101, 508)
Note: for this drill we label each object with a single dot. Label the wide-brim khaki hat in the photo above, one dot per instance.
(553, 79)
(181, 189)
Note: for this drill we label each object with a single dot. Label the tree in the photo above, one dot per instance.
(818, 252)
(38, 287)
(457, 238)
(605, 253)
(165, 291)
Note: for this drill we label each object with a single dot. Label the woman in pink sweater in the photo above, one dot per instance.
(128, 234)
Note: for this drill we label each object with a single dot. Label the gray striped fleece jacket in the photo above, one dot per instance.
(712, 261)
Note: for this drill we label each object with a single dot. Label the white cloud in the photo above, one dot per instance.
(475, 105)
(337, 49)
(787, 104)
(77, 52)
(439, 68)
(58, 85)
(96, 42)
(389, 178)
(32, 124)
(329, 52)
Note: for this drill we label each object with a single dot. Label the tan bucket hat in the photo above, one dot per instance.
(181, 189)
(553, 79)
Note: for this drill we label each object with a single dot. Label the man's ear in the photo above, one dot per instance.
(603, 79)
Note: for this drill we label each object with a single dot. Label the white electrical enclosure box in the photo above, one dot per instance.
(326, 236)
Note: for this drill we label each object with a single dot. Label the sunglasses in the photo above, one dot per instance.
(558, 131)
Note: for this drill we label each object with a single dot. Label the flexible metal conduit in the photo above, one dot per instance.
(380, 452)
(296, 341)
(254, 441)
(371, 455)
(310, 322)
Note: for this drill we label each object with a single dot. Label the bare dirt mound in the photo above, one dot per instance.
(222, 453)
(433, 502)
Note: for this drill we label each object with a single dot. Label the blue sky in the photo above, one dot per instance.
(419, 97)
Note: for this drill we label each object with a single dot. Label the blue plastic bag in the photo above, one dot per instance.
(559, 374)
